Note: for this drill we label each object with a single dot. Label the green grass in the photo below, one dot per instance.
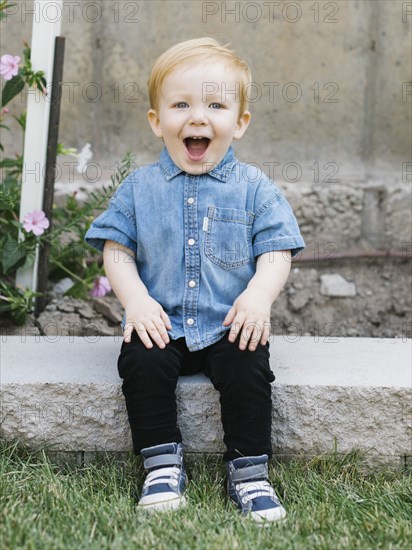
(332, 503)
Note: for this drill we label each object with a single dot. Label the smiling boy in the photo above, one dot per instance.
(197, 247)
(215, 119)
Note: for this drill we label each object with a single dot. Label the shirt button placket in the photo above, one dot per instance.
(192, 260)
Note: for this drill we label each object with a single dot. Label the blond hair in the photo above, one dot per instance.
(194, 51)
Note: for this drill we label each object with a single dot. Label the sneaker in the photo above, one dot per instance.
(248, 487)
(166, 479)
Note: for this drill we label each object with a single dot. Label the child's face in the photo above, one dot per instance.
(188, 110)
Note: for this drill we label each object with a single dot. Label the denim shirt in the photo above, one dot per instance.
(197, 237)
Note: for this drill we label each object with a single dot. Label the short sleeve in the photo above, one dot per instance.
(118, 222)
(275, 226)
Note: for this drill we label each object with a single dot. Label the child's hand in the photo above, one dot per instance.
(147, 318)
(251, 310)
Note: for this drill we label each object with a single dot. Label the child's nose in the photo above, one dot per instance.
(198, 115)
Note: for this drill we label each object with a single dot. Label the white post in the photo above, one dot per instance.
(46, 26)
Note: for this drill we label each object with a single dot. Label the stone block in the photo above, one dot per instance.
(343, 393)
(333, 284)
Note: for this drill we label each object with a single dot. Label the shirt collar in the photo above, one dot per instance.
(220, 172)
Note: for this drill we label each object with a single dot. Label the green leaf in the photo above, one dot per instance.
(27, 53)
(13, 255)
(4, 306)
(5, 6)
(19, 315)
(30, 258)
(16, 224)
(10, 163)
(77, 291)
(21, 120)
(11, 89)
(93, 270)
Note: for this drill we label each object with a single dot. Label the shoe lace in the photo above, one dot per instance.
(163, 475)
(253, 489)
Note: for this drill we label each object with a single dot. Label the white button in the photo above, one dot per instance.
(191, 200)
(191, 242)
(192, 284)
(190, 321)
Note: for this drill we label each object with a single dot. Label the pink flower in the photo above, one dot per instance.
(36, 222)
(9, 66)
(101, 287)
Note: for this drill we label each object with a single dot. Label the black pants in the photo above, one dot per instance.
(242, 377)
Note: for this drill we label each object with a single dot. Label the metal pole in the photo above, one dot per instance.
(48, 195)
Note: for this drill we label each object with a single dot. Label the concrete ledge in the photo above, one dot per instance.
(64, 393)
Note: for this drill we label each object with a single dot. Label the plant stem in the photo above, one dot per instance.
(64, 268)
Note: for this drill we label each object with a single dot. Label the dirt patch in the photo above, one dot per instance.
(380, 307)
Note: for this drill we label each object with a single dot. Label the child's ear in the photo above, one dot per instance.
(242, 125)
(155, 123)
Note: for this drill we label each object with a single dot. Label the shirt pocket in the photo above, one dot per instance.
(228, 241)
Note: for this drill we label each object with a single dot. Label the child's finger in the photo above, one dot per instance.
(235, 328)
(265, 334)
(127, 333)
(144, 337)
(244, 338)
(255, 337)
(153, 331)
(166, 320)
(249, 334)
(230, 316)
(161, 329)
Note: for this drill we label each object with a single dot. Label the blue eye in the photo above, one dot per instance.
(216, 105)
(181, 105)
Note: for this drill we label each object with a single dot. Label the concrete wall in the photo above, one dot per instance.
(348, 60)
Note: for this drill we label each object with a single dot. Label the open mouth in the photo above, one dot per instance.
(196, 146)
